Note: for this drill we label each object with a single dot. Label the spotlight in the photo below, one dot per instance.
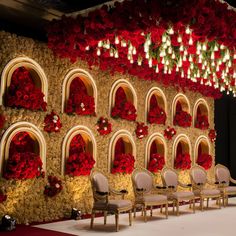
(75, 214)
(8, 223)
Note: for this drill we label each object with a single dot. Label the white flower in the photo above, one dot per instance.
(173, 132)
(140, 130)
(56, 128)
(57, 185)
(141, 136)
(105, 128)
(55, 117)
(83, 109)
(103, 121)
(82, 105)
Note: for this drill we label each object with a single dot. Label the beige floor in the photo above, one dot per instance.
(212, 222)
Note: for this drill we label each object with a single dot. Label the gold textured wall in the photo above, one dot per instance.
(26, 201)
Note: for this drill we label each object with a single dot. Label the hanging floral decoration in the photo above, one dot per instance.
(52, 123)
(23, 93)
(79, 162)
(201, 120)
(3, 196)
(141, 130)
(182, 118)
(187, 44)
(212, 135)
(123, 163)
(169, 133)
(79, 101)
(2, 121)
(156, 162)
(123, 108)
(182, 161)
(204, 160)
(53, 187)
(156, 114)
(103, 126)
(23, 162)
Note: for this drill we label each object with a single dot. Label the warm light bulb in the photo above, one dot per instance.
(99, 44)
(179, 39)
(117, 41)
(87, 48)
(190, 42)
(98, 52)
(187, 31)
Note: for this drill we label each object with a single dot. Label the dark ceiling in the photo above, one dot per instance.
(29, 17)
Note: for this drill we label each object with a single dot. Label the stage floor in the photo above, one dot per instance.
(211, 222)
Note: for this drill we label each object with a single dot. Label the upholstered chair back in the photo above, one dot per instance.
(143, 180)
(170, 177)
(198, 175)
(222, 174)
(100, 182)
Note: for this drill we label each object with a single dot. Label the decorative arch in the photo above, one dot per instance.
(35, 69)
(129, 145)
(87, 80)
(129, 91)
(161, 100)
(180, 97)
(160, 141)
(204, 109)
(205, 144)
(184, 140)
(15, 129)
(87, 135)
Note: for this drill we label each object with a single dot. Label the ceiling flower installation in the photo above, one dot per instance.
(187, 44)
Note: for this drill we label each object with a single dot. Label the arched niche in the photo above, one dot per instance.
(180, 97)
(185, 143)
(37, 73)
(86, 78)
(87, 136)
(160, 98)
(129, 92)
(13, 130)
(158, 142)
(202, 107)
(202, 143)
(129, 145)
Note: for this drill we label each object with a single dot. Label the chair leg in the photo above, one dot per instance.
(207, 202)
(166, 209)
(193, 201)
(105, 217)
(92, 219)
(219, 202)
(145, 214)
(151, 211)
(177, 208)
(130, 217)
(117, 221)
(134, 212)
(161, 208)
(201, 203)
(173, 207)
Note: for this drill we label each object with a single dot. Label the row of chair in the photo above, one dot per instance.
(149, 195)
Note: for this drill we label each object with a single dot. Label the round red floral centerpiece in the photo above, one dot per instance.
(79, 101)
(123, 108)
(52, 123)
(103, 126)
(141, 130)
(80, 161)
(169, 133)
(53, 187)
(23, 93)
(182, 118)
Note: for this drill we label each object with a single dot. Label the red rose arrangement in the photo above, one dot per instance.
(23, 93)
(182, 118)
(156, 114)
(169, 132)
(141, 130)
(202, 122)
(123, 163)
(79, 161)
(52, 123)
(156, 162)
(23, 162)
(79, 101)
(3, 196)
(103, 126)
(212, 135)
(53, 187)
(123, 108)
(182, 161)
(2, 121)
(204, 160)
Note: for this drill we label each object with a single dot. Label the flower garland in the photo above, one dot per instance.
(53, 187)
(212, 135)
(204, 160)
(182, 161)
(2, 121)
(79, 161)
(123, 108)
(169, 133)
(156, 162)
(79, 101)
(189, 46)
(123, 163)
(182, 118)
(156, 114)
(141, 130)
(103, 126)
(52, 123)
(22, 92)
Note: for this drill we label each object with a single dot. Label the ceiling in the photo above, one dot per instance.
(29, 17)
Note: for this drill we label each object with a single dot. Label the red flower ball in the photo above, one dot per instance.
(103, 126)
(169, 132)
(212, 135)
(52, 123)
(141, 130)
(53, 187)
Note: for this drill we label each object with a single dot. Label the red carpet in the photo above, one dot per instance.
(23, 230)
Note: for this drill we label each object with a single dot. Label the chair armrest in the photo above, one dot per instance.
(122, 192)
(184, 185)
(232, 180)
(160, 187)
(102, 193)
(211, 183)
(198, 186)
